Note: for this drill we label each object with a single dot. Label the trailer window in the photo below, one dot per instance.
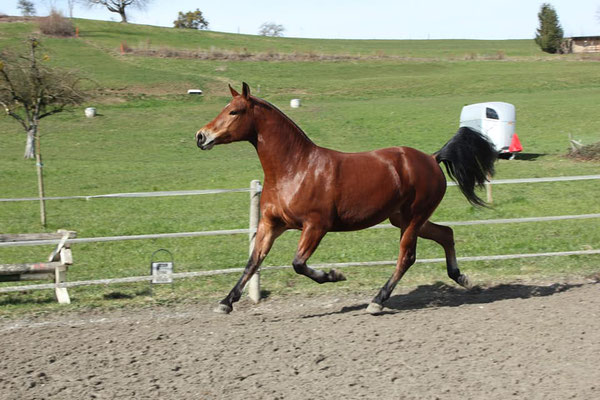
(491, 113)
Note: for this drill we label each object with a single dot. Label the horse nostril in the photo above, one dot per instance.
(200, 138)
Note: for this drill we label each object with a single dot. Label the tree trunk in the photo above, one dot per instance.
(40, 175)
(30, 145)
(123, 16)
(71, 4)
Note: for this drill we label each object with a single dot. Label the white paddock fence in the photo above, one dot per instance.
(219, 191)
(255, 190)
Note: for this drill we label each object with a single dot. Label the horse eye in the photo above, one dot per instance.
(233, 112)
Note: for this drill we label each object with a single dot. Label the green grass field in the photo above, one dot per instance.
(397, 93)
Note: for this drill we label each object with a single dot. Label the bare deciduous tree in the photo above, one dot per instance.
(70, 6)
(271, 29)
(27, 8)
(52, 5)
(31, 91)
(118, 6)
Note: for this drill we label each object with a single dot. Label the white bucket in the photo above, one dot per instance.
(295, 103)
(90, 112)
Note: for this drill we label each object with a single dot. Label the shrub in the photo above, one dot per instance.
(56, 24)
(191, 20)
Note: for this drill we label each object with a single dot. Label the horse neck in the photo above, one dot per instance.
(281, 145)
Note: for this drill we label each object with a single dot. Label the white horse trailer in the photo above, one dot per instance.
(496, 120)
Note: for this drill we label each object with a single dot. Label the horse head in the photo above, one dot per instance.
(234, 123)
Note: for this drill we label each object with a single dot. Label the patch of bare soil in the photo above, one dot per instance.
(519, 340)
(590, 152)
(122, 95)
(15, 18)
(243, 55)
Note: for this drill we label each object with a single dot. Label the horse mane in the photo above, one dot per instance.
(269, 106)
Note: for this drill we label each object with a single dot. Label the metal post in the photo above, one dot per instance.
(255, 191)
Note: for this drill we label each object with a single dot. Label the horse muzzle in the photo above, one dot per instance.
(204, 140)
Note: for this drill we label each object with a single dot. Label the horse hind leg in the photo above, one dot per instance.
(406, 258)
(309, 241)
(444, 236)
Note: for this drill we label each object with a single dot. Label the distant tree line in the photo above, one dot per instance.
(185, 20)
(549, 35)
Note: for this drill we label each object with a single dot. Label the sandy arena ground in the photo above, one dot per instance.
(521, 340)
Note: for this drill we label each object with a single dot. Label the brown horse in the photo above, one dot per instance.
(318, 190)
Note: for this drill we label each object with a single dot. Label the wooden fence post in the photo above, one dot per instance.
(488, 190)
(255, 191)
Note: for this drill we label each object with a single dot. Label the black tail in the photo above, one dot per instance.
(469, 159)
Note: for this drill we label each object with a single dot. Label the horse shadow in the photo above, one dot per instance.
(440, 294)
(443, 295)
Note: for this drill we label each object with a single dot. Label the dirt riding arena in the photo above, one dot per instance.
(522, 340)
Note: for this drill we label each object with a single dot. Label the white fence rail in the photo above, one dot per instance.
(255, 190)
(218, 191)
(180, 275)
(226, 232)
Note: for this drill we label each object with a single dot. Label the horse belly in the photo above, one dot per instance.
(368, 199)
(363, 215)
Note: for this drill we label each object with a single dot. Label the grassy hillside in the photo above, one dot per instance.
(390, 93)
(110, 35)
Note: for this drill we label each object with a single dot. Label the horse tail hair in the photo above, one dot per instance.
(469, 158)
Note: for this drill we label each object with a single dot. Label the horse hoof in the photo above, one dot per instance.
(336, 276)
(464, 281)
(222, 309)
(374, 308)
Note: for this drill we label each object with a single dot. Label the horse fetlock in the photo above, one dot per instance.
(335, 276)
(374, 308)
(223, 309)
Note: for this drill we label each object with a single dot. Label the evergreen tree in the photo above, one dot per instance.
(549, 35)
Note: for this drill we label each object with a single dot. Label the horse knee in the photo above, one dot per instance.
(409, 258)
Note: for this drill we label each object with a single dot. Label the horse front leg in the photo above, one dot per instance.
(309, 241)
(266, 234)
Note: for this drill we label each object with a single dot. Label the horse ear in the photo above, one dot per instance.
(245, 90)
(234, 93)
